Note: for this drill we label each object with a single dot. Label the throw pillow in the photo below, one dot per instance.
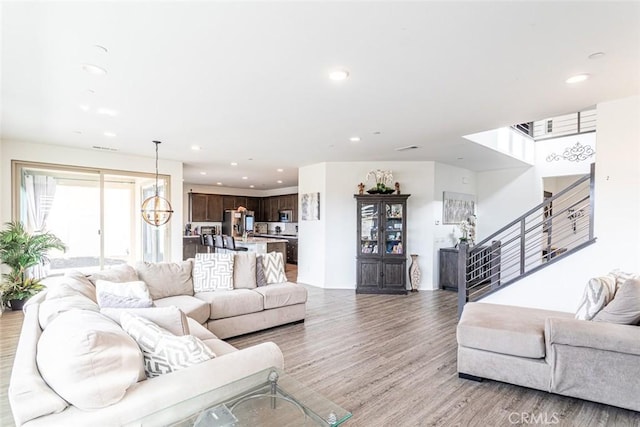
(244, 270)
(128, 294)
(622, 277)
(117, 273)
(213, 272)
(63, 298)
(273, 265)
(164, 352)
(625, 307)
(88, 359)
(260, 279)
(167, 279)
(598, 292)
(81, 283)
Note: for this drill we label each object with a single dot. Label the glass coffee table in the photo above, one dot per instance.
(266, 398)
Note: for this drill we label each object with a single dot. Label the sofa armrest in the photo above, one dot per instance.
(598, 335)
(154, 394)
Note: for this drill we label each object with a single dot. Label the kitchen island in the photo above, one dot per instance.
(262, 245)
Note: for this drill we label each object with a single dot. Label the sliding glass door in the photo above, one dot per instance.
(96, 213)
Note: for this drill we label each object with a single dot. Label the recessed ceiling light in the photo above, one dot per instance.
(279, 181)
(110, 134)
(234, 164)
(354, 139)
(252, 186)
(203, 173)
(577, 78)
(377, 132)
(94, 69)
(460, 158)
(79, 132)
(196, 147)
(280, 170)
(245, 177)
(218, 183)
(101, 48)
(91, 91)
(596, 55)
(107, 112)
(85, 107)
(338, 75)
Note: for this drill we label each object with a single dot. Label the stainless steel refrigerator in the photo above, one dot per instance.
(236, 223)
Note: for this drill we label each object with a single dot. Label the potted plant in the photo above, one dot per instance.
(20, 250)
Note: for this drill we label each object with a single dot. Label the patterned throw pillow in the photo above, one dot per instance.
(162, 351)
(622, 277)
(598, 292)
(625, 307)
(213, 272)
(125, 294)
(273, 266)
(260, 279)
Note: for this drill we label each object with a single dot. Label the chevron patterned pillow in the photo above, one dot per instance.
(598, 292)
(164, 352)
(213, 272)
(273, 266)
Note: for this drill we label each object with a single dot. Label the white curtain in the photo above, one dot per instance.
(40, 190)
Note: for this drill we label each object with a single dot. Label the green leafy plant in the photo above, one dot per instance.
(20, 250)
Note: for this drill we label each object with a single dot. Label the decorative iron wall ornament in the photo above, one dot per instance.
(576, 153)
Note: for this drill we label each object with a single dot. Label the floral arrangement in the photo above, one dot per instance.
(468, 229)
(382, 178)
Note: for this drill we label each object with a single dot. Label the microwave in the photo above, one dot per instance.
(285, 216)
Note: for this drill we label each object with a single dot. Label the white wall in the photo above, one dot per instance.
(4, 200)
(504, 195)
(333, 238)
(617, 222)
(24, 151)
(312, 239)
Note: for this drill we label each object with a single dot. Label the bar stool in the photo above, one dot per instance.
(207, 241)
(219, 244)
(230, 244)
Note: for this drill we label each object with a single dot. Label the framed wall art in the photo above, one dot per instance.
(310, 206)
(457, 207)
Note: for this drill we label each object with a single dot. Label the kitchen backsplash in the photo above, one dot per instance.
(285, 227)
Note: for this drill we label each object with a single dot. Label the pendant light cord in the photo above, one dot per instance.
(157, 143)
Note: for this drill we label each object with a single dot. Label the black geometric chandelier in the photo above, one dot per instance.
(156, 210)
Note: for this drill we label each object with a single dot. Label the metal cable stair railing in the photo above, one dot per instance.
(551, 231)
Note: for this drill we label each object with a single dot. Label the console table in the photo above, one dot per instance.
(480, 265)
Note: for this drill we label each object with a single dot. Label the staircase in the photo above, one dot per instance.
(556, 228)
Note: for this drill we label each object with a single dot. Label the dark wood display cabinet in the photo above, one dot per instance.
(381, 242)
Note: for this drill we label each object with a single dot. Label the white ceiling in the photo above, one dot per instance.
(247, 81)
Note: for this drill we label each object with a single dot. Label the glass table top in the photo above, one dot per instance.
(266, 398)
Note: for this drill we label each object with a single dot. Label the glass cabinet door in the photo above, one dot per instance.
(394, 240)
(369, 220)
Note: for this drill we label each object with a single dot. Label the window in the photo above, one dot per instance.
(96, 213)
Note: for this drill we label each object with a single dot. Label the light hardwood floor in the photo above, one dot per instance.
(391, 361)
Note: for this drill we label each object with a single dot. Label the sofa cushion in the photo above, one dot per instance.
(60, 299)
(167, 279)
(516, 331)
(598, 292)
(81, 283)
(273, 266)
(134, 294)
(219, 347)
(282, 294)
(117, 273)
(244, 270)
(200, 331)
(229, 304)
(625, 307)
(88, 359)
(164, 352)
(213, 272)
(193, 307)
(170, 318)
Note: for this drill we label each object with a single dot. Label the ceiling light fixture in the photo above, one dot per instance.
(252, 186)
(94, 69)
(107, 112)
(245, 177)
(101, 48)
(354, 139)
(110, 134)
(218, 183)
(577, 78)
(203, 173)
(338, 75)
(84, 107)
(234, 163)
(196, 148)
(156, 210)
(280, 170)
(279, 181)
(596, 55)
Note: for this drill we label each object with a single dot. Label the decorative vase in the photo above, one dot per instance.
(17, 304)
(414, 273)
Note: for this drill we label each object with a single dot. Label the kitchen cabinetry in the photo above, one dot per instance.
(253, 204)
(381, 241)
(205, 207)
(292, 251)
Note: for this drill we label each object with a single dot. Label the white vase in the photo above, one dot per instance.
(414, 273)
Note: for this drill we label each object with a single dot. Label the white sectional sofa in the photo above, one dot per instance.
(75, 364)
